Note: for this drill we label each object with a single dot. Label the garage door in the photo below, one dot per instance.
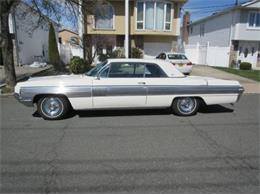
(152, 49)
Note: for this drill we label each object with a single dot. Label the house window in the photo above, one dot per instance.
(202, 30)
(254, 20)
(104, 16)
(154, 15)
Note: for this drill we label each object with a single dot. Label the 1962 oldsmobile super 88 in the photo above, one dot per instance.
(126, 83)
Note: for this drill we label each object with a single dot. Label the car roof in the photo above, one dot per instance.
(174, 53)
(167, 67)
(133, 60)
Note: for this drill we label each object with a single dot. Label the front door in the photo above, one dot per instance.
(120, 85)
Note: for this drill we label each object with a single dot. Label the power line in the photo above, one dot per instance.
(203, 7)
(215, 6)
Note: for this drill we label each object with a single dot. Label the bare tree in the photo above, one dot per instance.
(55, 9)
(6, 43)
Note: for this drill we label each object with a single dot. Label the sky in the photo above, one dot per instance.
(202, 8)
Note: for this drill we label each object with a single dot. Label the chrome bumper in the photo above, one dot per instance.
(240, 92)
(24, 101)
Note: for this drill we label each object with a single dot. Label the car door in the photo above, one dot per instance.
(120, 85)
(158, 86)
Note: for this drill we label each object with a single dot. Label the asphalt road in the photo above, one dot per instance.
(216, 151)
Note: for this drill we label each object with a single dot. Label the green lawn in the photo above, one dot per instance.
(250, 74)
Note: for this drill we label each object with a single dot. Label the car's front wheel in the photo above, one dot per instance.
(53, 107)
(185, 106)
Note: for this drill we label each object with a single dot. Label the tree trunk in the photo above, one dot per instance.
(7, 50)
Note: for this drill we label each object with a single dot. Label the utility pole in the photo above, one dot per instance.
(237, 2)
(127, 28)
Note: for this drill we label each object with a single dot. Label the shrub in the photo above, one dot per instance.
(54, 57)
(103, 57)
(245, 66)
(136, 53)
(78, 65)
(118, 53)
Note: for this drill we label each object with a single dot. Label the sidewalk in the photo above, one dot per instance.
(250, 86)
(21, 72)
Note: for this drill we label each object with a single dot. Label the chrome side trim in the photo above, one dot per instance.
(173, 90)
(27, 94)
(119, 91)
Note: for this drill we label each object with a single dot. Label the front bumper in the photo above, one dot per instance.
(25, 101)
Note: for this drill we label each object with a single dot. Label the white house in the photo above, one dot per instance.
(30, 38)
(227, 37)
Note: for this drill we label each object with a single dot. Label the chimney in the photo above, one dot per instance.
(185, 27)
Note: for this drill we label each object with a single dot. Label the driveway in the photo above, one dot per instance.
(250, 86)
(147, 151)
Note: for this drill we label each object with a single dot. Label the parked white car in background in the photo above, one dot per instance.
(126, 83)
(179, 60)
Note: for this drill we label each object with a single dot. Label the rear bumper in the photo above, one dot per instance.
(240, 92)
(184, 69)
(25, 101)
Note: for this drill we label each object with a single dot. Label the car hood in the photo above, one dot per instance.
(60, 80)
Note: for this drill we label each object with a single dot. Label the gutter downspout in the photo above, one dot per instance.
(127, 28)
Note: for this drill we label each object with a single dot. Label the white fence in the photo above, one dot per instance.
(207, 55)
(67, 52)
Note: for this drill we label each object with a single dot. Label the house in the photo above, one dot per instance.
(226, 38)
(67, 36)
(69, 45)
(153, 26)
(30, 38)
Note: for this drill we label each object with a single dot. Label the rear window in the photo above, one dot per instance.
(177, 57)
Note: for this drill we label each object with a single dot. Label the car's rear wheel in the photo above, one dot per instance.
(185, 106)
(53, 107)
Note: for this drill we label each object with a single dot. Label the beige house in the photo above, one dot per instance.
(67, 37)
(154, 25)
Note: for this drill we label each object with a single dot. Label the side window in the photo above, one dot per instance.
(153, 71)
(126, 70)
(163, 56)
(159, 56)
(120, 70)
(139, 70)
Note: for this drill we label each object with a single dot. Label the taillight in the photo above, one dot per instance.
(189, 64)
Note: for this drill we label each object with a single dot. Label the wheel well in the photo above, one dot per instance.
(201, 100)
(39, 96)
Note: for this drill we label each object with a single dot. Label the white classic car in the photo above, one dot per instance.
(126, 83)
(179, 60)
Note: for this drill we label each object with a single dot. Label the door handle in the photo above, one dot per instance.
(141, 83)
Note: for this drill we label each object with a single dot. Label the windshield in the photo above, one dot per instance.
(177, 57)
(93, 72)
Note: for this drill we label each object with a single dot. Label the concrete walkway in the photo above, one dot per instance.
(250, 86)
(21, 72)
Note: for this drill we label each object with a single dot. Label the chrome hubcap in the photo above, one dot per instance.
(186, 105)
(52, 107)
